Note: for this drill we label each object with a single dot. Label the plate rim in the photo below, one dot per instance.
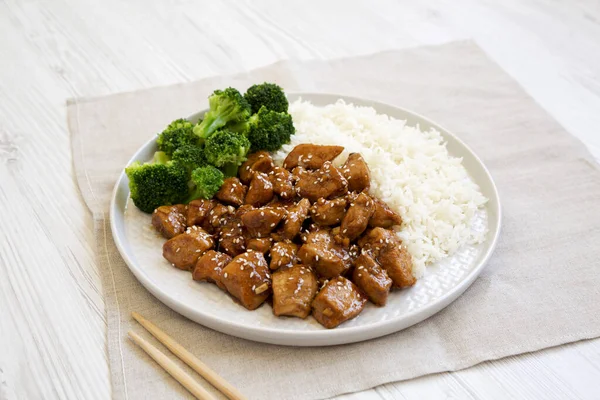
(325, 337)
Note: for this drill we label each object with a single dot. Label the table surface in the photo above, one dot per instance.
(52, 323)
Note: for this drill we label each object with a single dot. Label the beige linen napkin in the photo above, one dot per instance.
(540, 289)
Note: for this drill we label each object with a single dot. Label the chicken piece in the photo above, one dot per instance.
(357, 173)
(317, 234)
(262, 245)
(326, 182)
(327, 263)
(260, 161)
(383, 216)
(170, 221)
(184, 250)
(328, 212)
(216, 217)
(260, 191)
(357, 218)
(377, 238)
(283, 254)
(247, 279)
(293, 291)
(231, 236)
(260, 222)
(321, 252)
(283, 183)
(232, 192)
(371, 279)
(298, 173)
(198, 210)
(338, 301)
(397, 262)
(311, 156)
(210, 266)
(296, 214)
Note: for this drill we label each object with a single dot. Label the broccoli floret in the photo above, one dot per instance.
(179, 133)
(160, 157)
(205, 182)
(239, 127)
(157, 183)
(266, 94)
(190, 157)
(269, 130)
(227, 150)
(226, 106)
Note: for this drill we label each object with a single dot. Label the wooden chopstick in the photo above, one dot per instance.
(202, 369)
(173, 369)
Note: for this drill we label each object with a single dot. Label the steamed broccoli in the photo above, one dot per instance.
(227, 150)
(190, 157)
(269, 130)
(267, 94)
(157, 183)
(178, 133)
(226, 106)
(205, 182)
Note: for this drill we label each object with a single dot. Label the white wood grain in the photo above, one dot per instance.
(52, 317)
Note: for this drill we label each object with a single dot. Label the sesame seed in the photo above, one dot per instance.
(225, 275)
(177, 251)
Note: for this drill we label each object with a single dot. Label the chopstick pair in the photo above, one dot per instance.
(191, 360)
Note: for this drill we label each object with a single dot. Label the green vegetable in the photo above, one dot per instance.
(226, 106)
(227, 150)
(268, 95)
(178, 133)
(190, 157)
(205, 182)
(156, 184)
(269, 130)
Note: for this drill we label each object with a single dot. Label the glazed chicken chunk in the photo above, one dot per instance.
(261, 222)
(247, 279)
(355, 170)
(296, 214)
(232, 192)
(184, 250)
(294, 289)
(326, 182)
(328, 212)
(197, 211)
(398, 264)
(385, 248)
(231, 236)
(283, 183)
(210, 266)
(216, 217)
(357, 218)
(371, 279)
(260, 191)
(170, 221)
(283, 255)
(260, 161)
(324, 255)
(262, 245)
(383, 216)
(311, 156)
(338, 301)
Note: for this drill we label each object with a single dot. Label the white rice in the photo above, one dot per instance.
(411, 171)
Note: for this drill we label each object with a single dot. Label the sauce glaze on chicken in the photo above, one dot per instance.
(307, 234)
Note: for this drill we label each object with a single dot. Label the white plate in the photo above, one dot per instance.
(141, 248)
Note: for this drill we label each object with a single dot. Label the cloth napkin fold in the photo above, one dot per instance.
(540, 289)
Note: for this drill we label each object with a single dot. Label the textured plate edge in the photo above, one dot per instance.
(323, 337)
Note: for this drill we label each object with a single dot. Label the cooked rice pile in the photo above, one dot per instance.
(411, 171)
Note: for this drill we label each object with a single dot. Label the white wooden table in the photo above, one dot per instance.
(51, 309)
